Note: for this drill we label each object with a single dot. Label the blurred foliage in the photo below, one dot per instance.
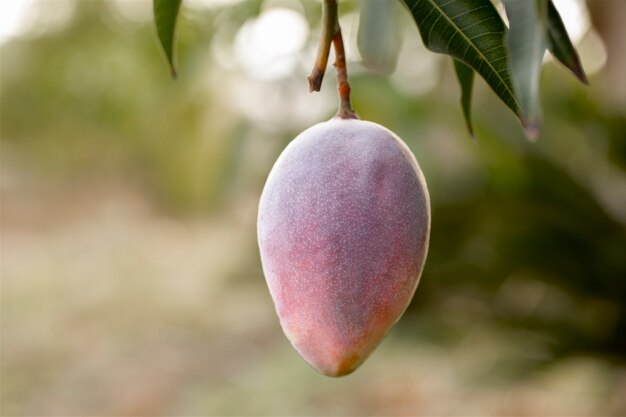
(528, 240)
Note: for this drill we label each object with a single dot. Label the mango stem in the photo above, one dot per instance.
(331, 33)
(343, 85)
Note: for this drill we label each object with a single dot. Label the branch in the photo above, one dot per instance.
(329, 27)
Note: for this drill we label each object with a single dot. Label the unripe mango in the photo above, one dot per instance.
(343, 228)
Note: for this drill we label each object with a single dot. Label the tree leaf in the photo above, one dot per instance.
(165, 14)
(465, 75)
(378, 38)
(527, 45)
(471, 31)
(560, 44)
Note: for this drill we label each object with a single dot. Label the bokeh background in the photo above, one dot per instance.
(131, 281)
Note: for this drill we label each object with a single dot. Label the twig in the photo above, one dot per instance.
(329, 27)
(331, 33)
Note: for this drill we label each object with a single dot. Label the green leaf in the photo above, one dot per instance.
(165, 14)
(378, 38)
(560, 44)
(471, 31)
(527, 45)
(465, 75)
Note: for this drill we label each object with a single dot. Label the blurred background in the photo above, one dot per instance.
(131, 281)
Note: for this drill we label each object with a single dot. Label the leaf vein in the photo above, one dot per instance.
(468, 12)
(433, 26)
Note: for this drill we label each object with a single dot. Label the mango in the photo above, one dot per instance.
(343, 228)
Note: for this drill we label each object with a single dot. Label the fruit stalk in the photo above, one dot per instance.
(343, 86)
(331, 33)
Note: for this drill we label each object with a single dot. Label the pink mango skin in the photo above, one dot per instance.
(343, 228)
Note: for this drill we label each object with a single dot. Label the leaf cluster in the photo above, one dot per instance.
(471, 32)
